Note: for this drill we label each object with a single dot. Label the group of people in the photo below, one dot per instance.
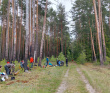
(31, 63)
(58, 62)
(9, 67)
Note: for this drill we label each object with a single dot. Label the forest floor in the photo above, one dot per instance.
(72, 79)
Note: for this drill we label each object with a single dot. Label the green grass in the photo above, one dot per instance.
(99, 77)
(39, 80)
(74, 82)
(44, 80)
(47, 80)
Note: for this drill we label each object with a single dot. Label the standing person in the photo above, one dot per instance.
(57, 62)
(0, 67)
(66, 62)
(31, 61)
(47, 59)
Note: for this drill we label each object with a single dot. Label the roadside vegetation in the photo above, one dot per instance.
(99, 77)
(40, 80)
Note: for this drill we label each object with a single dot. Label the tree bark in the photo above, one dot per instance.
(54, 40)
(61, 37)
(1, 37)
(98, 34)
(17, 33)
(7, 31)
(0, 3)
(14, 28)
(57, 43)
(50, 42)
(109, 16)
(30, 28)
(47, 45)
(65, 48)
(104, 46)
(93, 49)
(44, 27)
(27, 35)
(20, 34)
(27, 29)
(33, 33)
(36, 47)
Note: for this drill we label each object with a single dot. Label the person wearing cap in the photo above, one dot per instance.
(8, 68)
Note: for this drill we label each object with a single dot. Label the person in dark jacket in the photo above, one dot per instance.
(0, 67)
(57, 61)
(66, 62)
(8, 68)
(47, 59)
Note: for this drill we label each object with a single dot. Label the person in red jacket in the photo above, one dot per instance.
(31, 61)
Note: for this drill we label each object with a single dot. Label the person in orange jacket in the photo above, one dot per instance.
(31, 61)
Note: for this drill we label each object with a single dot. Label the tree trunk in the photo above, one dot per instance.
(93, 49)
(61, 37)
(30, 28)
(36, 45)
(44, 46)
(1, 37)
(17, 34)
(47, 45)
(50, 52)
(14, 28)
(33, 33)
(59, 46)
(27, 34)
(65, 48)
(7, 31)
(54, 40)
(27, 29)
(57, 43)
(12, 31)
(44, 27)
(98, 34)
(109, 16)
(104, 47)
(20, 34)
(0, 3)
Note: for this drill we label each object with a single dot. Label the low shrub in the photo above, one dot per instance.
(61, 57)
(106, 63)
(96, 63)
(43, 61)
(82, 58)
(107, 59)
(52, 59)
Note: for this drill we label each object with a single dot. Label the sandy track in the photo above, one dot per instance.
(88, 86)
(63, 86)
